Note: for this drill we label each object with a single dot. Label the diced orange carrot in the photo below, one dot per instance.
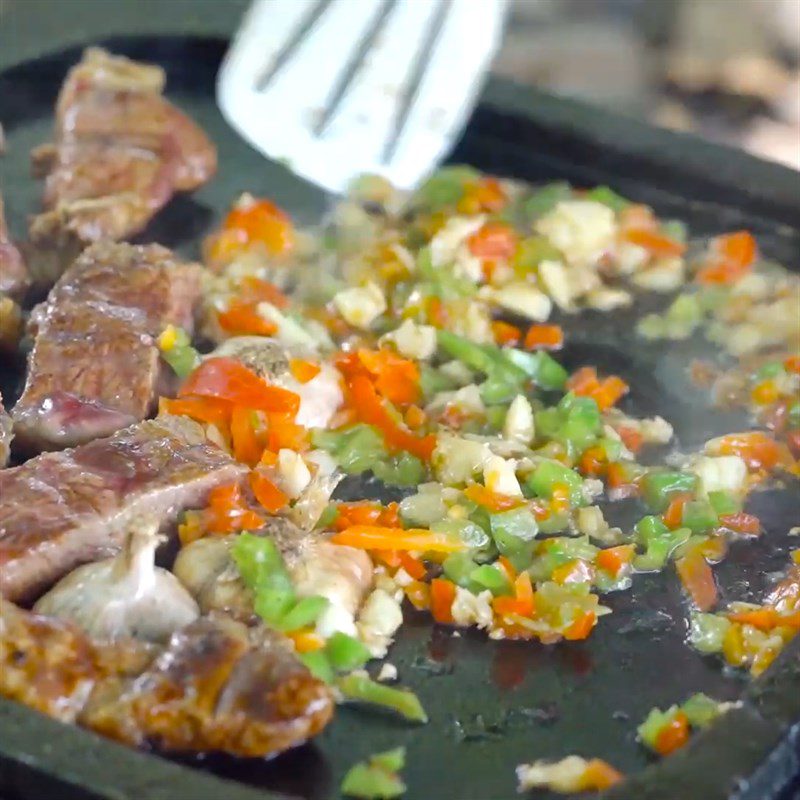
(369, 409)
(493, 240)
(730, 257)
(246, 447)
(614, 559)
(413, 566)
(389, 557)
(363, 513)
(631, 438)
(522, 604)
(673, 516)
(609, 392)
(262, 221)
(523, 591)
(375, 537)
(505, 606)
(436, 312)
(242, 319)
(223, 246)
(593, 462)
(599, 775)
(415, 417)
(488, 194)
(418, 594)
(284, 433)
(201, 409)
(582, 626)
(395, 378)
(765, 393)
(759, 450)
(638, 217)
(229, 379)
(698, 579)
(257, 290)
(505, 333)
(390, 516)
(443, 592)
(271, 497)
(306, 640)
(508, 568)
(741, 522)
(619, 480)
(583, 381)
(303, 371)
(792, 364)
(765, 619)
(654, 242)
(550, 337)
(227, 511)
(491, 500)
(673, 735)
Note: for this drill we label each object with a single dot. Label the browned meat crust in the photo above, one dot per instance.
(121, 151)
(95, 367)
(217, 685)
(13, 275)
(6, 434)
(60, 510)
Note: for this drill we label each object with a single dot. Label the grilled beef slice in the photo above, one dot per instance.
(216, 686)
(95, 366)
(121, 151)
(13, 275)
(60, 510)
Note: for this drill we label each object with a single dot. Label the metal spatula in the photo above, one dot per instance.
(340, 87)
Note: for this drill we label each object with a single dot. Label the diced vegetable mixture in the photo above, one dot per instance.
(416, 339)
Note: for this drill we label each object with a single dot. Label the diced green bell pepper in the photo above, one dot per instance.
(608, 197)
(458, 567)
(548, 474)
(467, 531)
(701, 710)
(532, 251)
(318, 664)
(659, 487)
(488, 576)
(546, 198)
(356, 686)
(346, 653)
(182, 359)
(445, 187)
(377, 778)
(724, 502)
(540, 367)
(659, 548)
(707, 632)
(655, 722)
(699, 516)
(404, 469)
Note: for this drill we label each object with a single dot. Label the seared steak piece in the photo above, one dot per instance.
(95, 366)
(60, 510)
(120, 152)
(216, 686)
(13, 275)
(6, 434)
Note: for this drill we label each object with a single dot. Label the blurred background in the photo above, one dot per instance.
(726, 69)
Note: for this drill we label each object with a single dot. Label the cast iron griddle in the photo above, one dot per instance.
(492, 704)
